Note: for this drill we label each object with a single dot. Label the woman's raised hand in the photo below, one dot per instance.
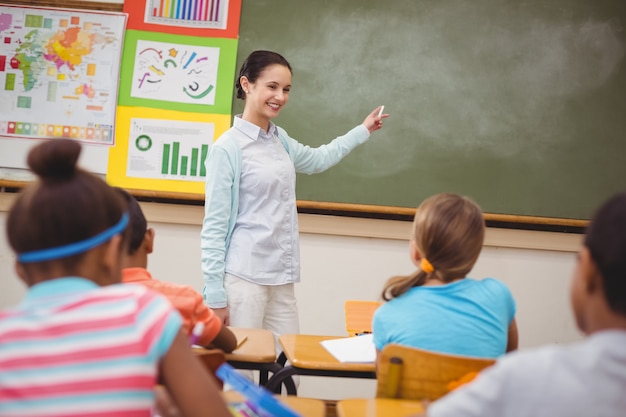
(374, 121)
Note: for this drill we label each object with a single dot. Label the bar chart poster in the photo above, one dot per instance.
(168, 150)
(210, 18)
(163, 151)
(178, 72)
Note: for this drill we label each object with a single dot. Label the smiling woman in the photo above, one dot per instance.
(250, 247)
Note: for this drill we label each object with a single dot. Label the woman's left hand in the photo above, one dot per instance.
(373, 121)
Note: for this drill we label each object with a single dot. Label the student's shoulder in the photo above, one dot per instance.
(521, 374)
(131, 289)
(139, 293)
(493, 284)
(127, 300)
(534, 355)
(524, 368)
(396, 305)
(172, 289)
(138, 289)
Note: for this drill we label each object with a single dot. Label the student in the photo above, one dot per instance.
(583, 379)
(184, 298)
(78, 344)
(438, 308)
(250, 246)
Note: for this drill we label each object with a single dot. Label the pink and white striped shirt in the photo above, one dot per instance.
(75, 349)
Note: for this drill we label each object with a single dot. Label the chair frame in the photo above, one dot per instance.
(211, 359)
(422, 375)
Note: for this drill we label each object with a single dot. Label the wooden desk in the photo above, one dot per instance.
(308, 357)
(307, 407)
(378, 407)
(259, 346)
(258, 352)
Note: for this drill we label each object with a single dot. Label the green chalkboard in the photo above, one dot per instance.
(519, 104)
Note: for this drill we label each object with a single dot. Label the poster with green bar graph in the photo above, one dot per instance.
(163, 150)
(172, 160)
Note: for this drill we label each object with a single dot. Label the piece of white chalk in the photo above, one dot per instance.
(380, 112)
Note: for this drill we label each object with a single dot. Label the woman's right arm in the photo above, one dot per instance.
(309, 160)
(217, 213)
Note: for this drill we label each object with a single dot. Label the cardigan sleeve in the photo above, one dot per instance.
(216, 223)
(309, 160)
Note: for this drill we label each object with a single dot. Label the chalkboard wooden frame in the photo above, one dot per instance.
(361, 210)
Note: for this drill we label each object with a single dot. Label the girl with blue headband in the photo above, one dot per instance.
(79, 344)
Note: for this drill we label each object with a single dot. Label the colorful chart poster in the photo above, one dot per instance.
(163, 150)
(178, 72)
(207, 18)
(161, 69)
(59, 72)
(168, 149)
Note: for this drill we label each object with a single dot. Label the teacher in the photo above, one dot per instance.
(250, 243)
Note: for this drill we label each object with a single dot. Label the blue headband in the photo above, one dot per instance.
(76, 247)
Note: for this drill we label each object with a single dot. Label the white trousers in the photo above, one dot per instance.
(271, 307)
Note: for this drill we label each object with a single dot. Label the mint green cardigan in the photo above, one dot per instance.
(223, 169)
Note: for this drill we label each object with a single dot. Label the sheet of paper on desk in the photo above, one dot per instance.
(352, 349)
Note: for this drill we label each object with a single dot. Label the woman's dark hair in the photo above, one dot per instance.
(137, 223)
(255, 64)
(66, 204)
(606, 241)
(448, 230)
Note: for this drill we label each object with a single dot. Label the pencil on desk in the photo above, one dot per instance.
(241, 342)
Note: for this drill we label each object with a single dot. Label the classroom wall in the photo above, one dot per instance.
(344, 258)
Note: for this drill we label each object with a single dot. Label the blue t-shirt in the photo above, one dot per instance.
(467, 317)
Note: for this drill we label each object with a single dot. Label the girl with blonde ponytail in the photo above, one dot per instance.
(437, 307)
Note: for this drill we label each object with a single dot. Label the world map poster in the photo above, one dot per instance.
(59, 73)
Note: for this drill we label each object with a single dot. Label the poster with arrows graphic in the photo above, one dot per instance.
(182, 73)
(177, 72)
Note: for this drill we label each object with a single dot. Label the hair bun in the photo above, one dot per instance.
(54, 159)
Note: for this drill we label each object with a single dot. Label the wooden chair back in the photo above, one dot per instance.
(211, 359)
(416, 374)
(359, 314)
